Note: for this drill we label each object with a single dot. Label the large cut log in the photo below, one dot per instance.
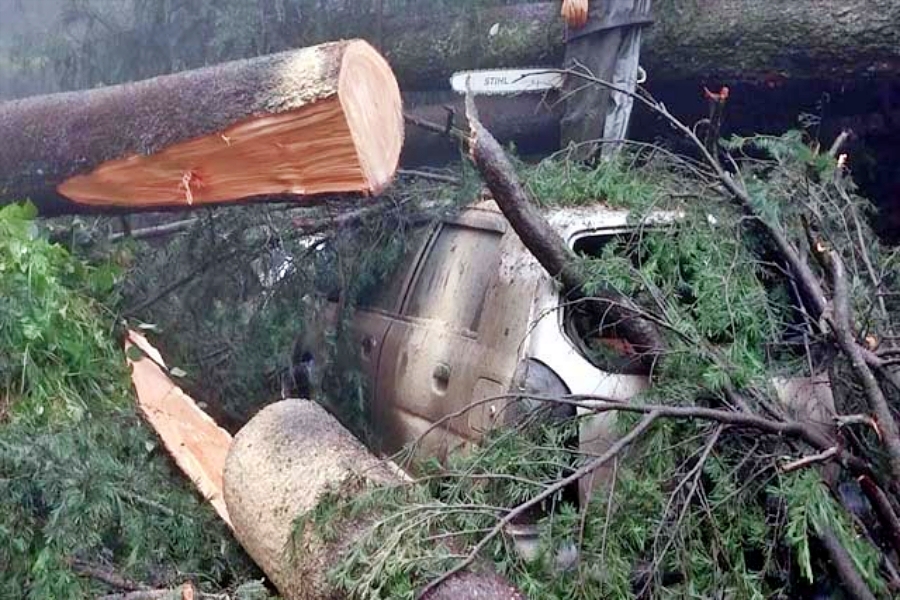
(726, 39)
(302, 123)
(279, 467)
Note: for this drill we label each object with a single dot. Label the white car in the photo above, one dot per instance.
(470, 315)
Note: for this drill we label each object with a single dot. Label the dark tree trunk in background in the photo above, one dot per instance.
(320, 120)
(747, 40)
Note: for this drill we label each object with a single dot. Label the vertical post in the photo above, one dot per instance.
(608, 48)
(379, 25)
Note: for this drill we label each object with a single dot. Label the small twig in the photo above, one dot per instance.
(149, 504)
(609, 509)
(694, 477)
(848, 420)
(587, 469)
(451, 116)
(806, 461)
(155, 231)
(428, 175)
(427, 125)
(839, 142)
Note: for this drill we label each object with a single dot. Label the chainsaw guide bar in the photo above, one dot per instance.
(490, 82)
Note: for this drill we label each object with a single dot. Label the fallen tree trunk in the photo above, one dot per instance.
(280, 466)
(747, 40)
(320, 120)
(548, 247)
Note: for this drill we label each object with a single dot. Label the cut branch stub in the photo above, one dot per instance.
(325, 119)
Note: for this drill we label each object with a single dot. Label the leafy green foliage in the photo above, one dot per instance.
(672, 524)
(811, 510)
(81, 478)
(562, 183)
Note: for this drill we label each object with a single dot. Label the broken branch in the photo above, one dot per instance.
(806, 461)
(546, 245)
(521, 509)
(843, 331)
(843, 563)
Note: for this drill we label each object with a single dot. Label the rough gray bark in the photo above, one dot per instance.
(46, 140)
(748, 40)
(280, 465)
(549, 248)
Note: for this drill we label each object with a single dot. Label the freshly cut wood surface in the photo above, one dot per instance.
(198, 445)
(320, 120)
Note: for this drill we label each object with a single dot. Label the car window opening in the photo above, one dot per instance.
(598, 341)
(596, 338)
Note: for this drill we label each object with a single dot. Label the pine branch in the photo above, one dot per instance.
(843, 563)
(578, 474)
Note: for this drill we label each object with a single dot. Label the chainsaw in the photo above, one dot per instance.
(491, 82)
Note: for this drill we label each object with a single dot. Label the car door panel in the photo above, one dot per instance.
(433, 363)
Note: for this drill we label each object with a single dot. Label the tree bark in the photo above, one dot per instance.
(548, 247)
(319, 120)
(730, 40)
(280, 465)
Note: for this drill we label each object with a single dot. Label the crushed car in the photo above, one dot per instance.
(469, 321)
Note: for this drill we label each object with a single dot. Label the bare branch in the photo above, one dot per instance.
(107, 576)
(850, 579)
(546, 244)
(440, 177)
(839, 142)
(883, 508)
(155, 231)
(843, 330)
(807, 461)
